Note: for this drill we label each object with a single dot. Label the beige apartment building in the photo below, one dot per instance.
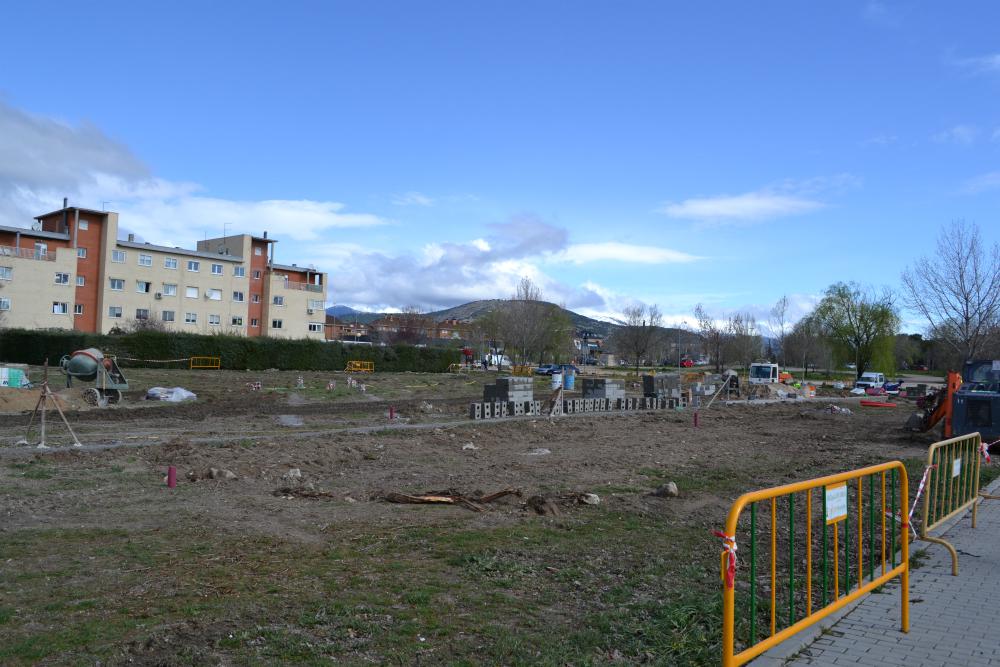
(70, 271)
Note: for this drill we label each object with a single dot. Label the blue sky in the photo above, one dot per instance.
(432, 153)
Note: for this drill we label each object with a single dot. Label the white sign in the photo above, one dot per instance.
(836, 502)
(996, 364)
(956, 467)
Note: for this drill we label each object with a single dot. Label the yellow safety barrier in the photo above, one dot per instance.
(522, 371)
(952, 484)
(454, 368)
(823, 594)
(360, 367)
(205, 362)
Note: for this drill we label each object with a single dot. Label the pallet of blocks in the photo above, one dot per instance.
(508, 396)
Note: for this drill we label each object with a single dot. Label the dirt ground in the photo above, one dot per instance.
(292, 555)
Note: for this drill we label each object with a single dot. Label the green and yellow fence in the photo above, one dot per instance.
(812, 571)
(205, 362)
(356, 366)
(951, 480)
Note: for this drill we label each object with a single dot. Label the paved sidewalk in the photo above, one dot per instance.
(953, 620)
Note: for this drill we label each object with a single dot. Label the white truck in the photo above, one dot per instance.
(870, 380)
(763, 373)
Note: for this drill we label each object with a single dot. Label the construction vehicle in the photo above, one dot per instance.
(768, 373)
(968, 402)
(91, 365)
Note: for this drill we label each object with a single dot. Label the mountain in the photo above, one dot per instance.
(348, 314)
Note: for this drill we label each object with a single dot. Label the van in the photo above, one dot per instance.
(870, 380)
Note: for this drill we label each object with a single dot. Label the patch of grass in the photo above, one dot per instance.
(34, 469)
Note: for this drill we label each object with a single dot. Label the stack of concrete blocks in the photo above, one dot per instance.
(604, 389)
(665, 388)
(508, 396)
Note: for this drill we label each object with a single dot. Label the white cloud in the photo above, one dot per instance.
(964, 135)
(983, 183)
(582, 253)
(880, 140)
(879, 14)
(750, 206)
(412, 199)
(985, 64)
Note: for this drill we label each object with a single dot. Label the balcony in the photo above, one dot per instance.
(27, 253)
(308, 287)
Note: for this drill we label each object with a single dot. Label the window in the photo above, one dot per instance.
(167, 315)
(117, 284)
(275, 324)
(60, 308)
(78, 309)
(315, 327)
(214, 294)
(84, 225)
(193, 265)
(191, 318)
(255, 323)
(41, 249)
(115, 312)
(62, 279)
(256, 275)
(145, 260)
(81, 253)
(238, 296)
(236, 321)
(143, 286)
(169, 289)
(214, 320)
(255, 298)
(217, 269)
(191, 292)
(240, 271)
(257, 251)
(316, 304)
(6, 272)
(80, 281)
(118, 256)
(279, 301)
(4, 303)
(170, 262)
(142, 313)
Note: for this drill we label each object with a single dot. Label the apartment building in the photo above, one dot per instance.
(70, 271)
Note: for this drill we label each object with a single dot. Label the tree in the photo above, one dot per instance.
(859, 321)
(713, 335)
(805, 342)
(743, 339)
(958, 290)
(638, 333)
(778, 323)
(529, 327)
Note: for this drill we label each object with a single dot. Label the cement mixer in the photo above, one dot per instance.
(91, 365)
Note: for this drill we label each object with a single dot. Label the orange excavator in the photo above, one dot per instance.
(968, 403)
(936, 407)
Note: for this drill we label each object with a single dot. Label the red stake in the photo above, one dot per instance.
(171, 477)
(392, 413)
(696, 419)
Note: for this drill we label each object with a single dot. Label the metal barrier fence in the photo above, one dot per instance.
(360, 366)
(825, 591)
(205, 362)
(952, 483)
(522, 371)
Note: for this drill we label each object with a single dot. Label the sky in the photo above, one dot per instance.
(430, 154)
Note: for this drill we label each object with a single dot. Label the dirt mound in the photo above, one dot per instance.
(21, 400)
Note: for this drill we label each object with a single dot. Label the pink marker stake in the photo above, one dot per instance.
(171, 477)
(696, 419)
(392, 413)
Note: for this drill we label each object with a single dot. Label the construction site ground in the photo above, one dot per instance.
(100, 562)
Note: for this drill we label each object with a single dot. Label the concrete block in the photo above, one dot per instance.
(475, 411)
(487, 410)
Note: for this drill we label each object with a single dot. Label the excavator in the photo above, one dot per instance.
(967, 403)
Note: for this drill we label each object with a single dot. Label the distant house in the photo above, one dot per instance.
(338, 329)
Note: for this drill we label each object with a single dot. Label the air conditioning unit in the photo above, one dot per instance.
(309, 311)
(158, 295)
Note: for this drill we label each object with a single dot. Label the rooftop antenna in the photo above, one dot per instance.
(104, 204)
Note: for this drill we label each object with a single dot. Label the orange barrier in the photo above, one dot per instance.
(205, 362)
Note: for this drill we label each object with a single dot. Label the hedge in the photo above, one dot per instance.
(236, 352)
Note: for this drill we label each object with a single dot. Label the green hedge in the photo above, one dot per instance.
(236, 352)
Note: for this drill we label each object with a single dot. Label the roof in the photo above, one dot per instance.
(292, 267)
(35, 233)
(180, 251)
(72, 208)
(261, 238)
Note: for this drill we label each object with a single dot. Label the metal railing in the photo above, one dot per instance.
(205, 362)
(824, 592)
(27, 253)
(308, 287)
(355, 366)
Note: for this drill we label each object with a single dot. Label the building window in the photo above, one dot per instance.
(275, 324)
(191, 318)
(257, 251)
(279, 301)
(254, 322)
(256, 275)
(41, 250)
(217, 269)
(238, 297)
(167, 315)
(240, 271)
(115, 312)
(255, 298)
(118, 256)
(236, 321)
(214, 320)
(214, 294)
(193, 265)
(78, 309)
(62, 279)
(117, 284)
(316, 304)
(191, 292)
(143, 286)
(84, 225)
(81, 253)
(6, 272)
(60, 308)
(315, 327)
(80, 281)
(145, 260)
(4, 303)
(142, 313)
(170, 262)
(169, 289)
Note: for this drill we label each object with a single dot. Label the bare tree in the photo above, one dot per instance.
(638, 332)
(529, 327)
(778, 323)
(958, 289)
(713, 335)
(743, 338)
(805, 343)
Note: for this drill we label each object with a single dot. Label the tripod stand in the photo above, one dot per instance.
(43, 400)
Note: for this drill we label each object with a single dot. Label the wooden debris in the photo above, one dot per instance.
(543, 506)
(474, 503)
(303, 493)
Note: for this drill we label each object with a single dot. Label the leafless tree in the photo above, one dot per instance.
(805, 343)
(778, 323)
(743, 338)
(151, 323)
(638, 333)
(713, 334)
(529, 327)
(958, 289)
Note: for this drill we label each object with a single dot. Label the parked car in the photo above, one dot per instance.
(546, 369)
(562, 368)
(871, 380)
(590, 361)
(852, 366)
(921, 367)
(686, 363)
